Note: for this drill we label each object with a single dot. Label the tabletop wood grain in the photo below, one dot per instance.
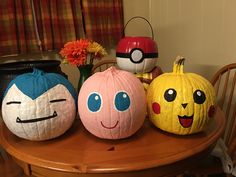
(79, 151)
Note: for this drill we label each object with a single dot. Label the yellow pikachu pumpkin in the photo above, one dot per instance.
(180, 103)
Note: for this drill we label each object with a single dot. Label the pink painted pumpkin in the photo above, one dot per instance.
(112, 104)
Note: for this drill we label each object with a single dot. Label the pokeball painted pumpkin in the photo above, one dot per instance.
(39, 106)
(180, 103)
(112, 104)
(136, 54)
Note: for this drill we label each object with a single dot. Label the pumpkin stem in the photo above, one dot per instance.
(179, 65)
(37, 71)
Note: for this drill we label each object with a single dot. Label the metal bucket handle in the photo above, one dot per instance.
(140, 18)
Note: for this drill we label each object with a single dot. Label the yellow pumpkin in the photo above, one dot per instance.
(180, 103)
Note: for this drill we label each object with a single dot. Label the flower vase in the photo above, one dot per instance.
(85, 73)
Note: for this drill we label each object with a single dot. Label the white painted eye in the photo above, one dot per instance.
(170, 92)
(199, 93)
(124, 95)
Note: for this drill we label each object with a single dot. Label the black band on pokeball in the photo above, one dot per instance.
(129, 55)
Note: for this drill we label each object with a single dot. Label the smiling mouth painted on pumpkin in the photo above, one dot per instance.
(186, 121)
(18, 120)
(109, 127)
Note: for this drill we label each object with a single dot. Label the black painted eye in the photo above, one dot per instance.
(199, 97)
(13, 102)
(170, 94)
(57, 100)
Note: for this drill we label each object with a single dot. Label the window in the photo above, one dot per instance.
(29, 26)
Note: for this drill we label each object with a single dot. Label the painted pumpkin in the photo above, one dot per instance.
(136, 54)
(39, 106)
(180, 103)
(112, 104)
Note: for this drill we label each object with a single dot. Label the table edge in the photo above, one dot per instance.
(84, 168)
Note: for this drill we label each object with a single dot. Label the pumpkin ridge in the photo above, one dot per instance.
(112, 74)
(119, 77)
(104, 79)
(50, 121)
(192, 84)
(132, 86)
(199, 123)
(119, 83)
(204, 82)
(26, 134)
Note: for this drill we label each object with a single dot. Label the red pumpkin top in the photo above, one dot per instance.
(126, 44)
(145, 47)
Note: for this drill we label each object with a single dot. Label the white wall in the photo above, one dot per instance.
(136, 27)
(203, 31)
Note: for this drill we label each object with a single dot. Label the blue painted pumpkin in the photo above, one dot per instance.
(39, 106)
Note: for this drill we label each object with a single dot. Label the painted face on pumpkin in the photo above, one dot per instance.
(40, 113)
(181, 103)
(110, 105)
(121, 103)
(173, 98)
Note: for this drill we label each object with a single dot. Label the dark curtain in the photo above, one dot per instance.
(17, 32)
(58, 22)
(28, 26)
(103, 20)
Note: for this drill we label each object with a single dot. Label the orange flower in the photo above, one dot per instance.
(77, 52)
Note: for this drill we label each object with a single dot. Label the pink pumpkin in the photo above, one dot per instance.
(112, 104)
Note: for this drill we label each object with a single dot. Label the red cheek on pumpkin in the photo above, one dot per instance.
(211, 111)
(156, 108)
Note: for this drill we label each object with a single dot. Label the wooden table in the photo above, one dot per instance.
(78, 153)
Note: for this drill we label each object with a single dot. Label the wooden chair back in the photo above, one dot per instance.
(103, 65)
(224, 82)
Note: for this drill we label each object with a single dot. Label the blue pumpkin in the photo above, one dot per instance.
(39, 106)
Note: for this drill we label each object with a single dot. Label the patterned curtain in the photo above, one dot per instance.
(58, 22)
(24, 24)
(103, 20)
(17, 32)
